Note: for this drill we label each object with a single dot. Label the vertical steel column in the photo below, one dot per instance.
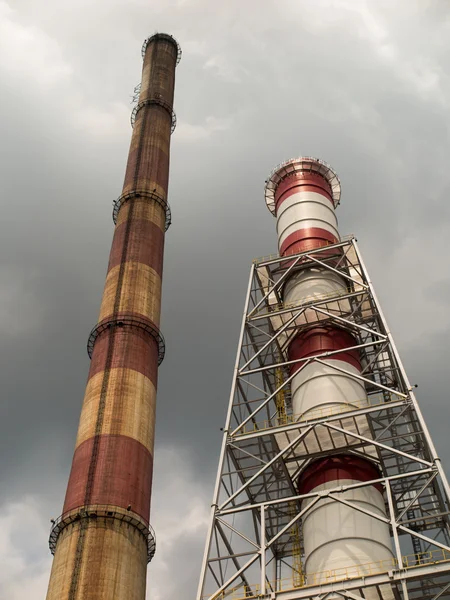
(430, 443)
(226, 430)
(103, 540)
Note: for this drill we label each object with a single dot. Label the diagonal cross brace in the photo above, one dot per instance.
(266, 466)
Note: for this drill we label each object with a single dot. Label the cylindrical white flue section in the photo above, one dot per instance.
(319, 389)
(338, 537)
(305, 213)
(322, 387)
(305, 210)
(304, 204)
(315, 283)
(302, 194)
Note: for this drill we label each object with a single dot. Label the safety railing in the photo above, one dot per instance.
(99, 512)
(409, 561)
(317, 413)
(278, 306)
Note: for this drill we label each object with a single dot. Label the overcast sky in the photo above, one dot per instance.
(361, 84)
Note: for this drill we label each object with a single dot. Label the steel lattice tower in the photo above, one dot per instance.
(103, 540)
(328, 485)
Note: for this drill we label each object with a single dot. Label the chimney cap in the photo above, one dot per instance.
(161, 36)
(301, 164)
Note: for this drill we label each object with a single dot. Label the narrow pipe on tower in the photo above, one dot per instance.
(303, 194)
(103, 540)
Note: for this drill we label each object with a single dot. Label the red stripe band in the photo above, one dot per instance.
(307, 239)
(302, 182)
(145, 245)
(147, 163)
(133, 349)
(319, 340)
(122, 477)
(337, 468)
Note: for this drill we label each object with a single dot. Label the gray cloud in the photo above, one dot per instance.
(363, 85)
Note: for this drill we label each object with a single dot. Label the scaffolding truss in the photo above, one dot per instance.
(254, 545)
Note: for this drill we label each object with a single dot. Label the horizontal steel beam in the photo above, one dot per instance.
(390, 577)
(340, 488)
(320, 420)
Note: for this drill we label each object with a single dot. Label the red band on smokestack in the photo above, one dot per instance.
(337, 468)
(319, 340)
(145, 244)
(132, 349)
(123, 474)
(304, 240)
(155, 166)
(302, 182)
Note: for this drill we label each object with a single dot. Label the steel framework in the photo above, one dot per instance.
(254, 543)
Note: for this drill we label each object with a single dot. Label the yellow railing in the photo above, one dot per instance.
(280, 397)
(317, 413)
(410, 561)
(265, 258)
(298, 577)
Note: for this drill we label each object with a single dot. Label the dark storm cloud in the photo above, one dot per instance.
(363, 85)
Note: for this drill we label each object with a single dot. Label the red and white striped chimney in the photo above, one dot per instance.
(302, 194)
